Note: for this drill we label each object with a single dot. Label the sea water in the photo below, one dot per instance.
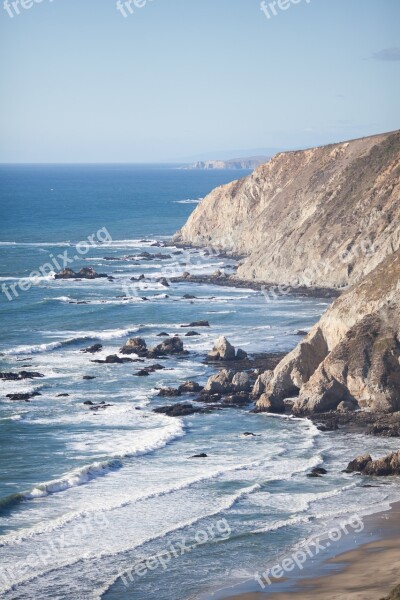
(109, 503)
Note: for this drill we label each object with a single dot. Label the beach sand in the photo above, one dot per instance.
(369, 572)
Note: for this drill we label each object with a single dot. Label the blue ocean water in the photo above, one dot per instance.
(89, 497)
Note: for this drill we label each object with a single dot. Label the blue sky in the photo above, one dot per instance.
(187, 78)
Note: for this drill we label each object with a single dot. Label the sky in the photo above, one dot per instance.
(84, 81)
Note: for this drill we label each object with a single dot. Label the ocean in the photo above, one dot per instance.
(109, 503)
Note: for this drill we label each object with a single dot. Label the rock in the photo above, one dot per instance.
(169, 392)
(250, 434)
(270, 404)
(189, 297)
(25, 397)
(62, 395)
(84, 273)
(178, 410)
(241, 354)
(185, 275)
(352, 354)
(113, 359)
(280, 217)
(358, 464)
(163, 334)
(383, 467)
(190, 387)
(261, 383)
(172, 345)
(93, 349)
(347, 406)
(202, 455)
(142, 373)
(394, 594)
(221, 383)
(88, 377)
(101, 406)
(140, 278)
(197, 324)
(301, 332)
(321, 397)
(89, 403)
(191, 334)
(237, 399)
(222, 350)
(154, 368)
(313, 475)
(163, 281)
(319, 471)
(135, 346)
(21, 375)
(241, 382)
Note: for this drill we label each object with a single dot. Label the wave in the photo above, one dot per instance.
(189, 201)
(157, 439)
(32, 280)
(84, 337)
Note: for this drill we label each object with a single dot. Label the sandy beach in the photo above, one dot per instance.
(369, 572)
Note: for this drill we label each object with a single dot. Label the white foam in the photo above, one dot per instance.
(78, 337)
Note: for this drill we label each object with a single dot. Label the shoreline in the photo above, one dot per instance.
(369, 570)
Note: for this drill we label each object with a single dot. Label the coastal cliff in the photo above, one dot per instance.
(351, 357)
(323, 217)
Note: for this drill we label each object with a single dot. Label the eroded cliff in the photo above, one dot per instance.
(321, 217)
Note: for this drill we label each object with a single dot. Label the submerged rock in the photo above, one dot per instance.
(178, 410)
(197, 324)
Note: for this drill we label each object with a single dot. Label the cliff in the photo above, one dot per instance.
(351, 357)
(323, 217)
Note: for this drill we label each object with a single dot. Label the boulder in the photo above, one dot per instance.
(320, 396)
(190, 387)
(93, 349)
(358, 464)
(388, 465)
(262, 382)
(171, 345)
(169, 392)
(25, 397)
(221, 383)
(115, 359)
(222, 350)
(270, 404)
(20, 375)
(241, 382)
(241, 354)
(135, 346)
(192, 334)
(163, 334)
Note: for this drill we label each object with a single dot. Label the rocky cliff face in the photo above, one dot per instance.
(321, 217)
(351, 358)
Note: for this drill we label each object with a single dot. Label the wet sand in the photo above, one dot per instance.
(369, 572)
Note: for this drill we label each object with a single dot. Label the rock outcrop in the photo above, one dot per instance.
(84, 273)
(382, 467)
(223, 350)
(322, 217)
(351, 358)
